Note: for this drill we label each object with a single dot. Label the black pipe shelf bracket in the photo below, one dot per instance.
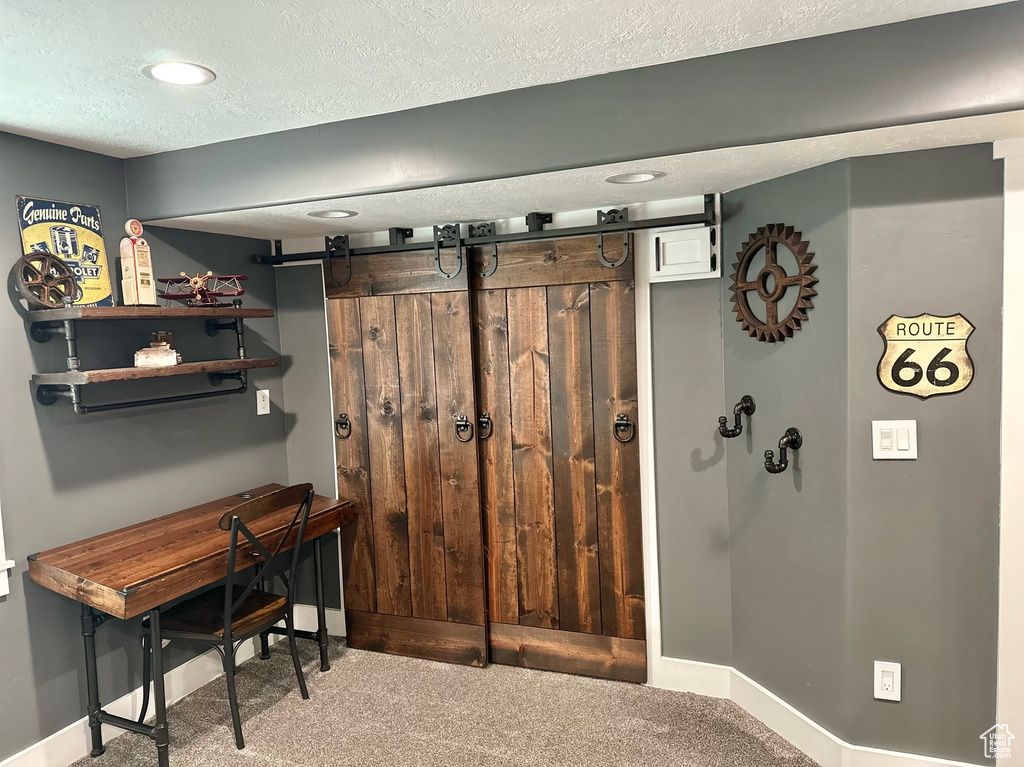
(745, 407)
(51, 388)
(613, 221)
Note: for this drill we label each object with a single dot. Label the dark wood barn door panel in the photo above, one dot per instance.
(556, 365)
(402, 372)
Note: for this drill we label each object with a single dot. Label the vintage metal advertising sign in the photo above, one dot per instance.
(926, 355)
(73, 232)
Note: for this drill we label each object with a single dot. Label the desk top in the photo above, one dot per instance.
(130, 571)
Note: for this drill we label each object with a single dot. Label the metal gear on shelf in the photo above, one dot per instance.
(772, 282)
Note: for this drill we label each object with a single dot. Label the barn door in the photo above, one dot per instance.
(554, 336)
(402, 377)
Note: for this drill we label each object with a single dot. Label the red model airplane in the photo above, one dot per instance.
(203, 290)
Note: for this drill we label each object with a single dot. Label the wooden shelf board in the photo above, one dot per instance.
(144, 313)
(133, 374)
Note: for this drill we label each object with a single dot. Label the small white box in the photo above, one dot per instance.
(689, 253)
(894, 440)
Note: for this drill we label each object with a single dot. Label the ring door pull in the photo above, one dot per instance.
(745, 407)
(791, 440)
(485, 426)
(463, 428)
(625, 429)
(342, 427)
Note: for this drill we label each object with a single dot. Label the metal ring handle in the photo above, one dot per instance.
(623, 426)
(485, 426)
(462, 425)
(342, 427)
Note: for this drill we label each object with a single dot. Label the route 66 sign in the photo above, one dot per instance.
(926, 355)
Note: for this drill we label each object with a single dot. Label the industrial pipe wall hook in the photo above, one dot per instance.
(449, 235)
(745, 407)
(791, 440)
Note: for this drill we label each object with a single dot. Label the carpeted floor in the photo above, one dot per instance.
(373, 709)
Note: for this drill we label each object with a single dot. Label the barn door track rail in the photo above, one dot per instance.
(450, 237)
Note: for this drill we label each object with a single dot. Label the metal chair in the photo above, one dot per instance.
(225, 619)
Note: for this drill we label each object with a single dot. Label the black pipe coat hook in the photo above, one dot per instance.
(791, 440)
(745, 406)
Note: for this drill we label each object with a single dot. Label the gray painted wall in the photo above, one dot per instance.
(65, 477)
(955, 65)
(307, 404)
(843, 560)
(926, 236)
(690, 466)
(788, 532)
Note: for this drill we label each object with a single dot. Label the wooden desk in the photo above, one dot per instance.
(128, 572)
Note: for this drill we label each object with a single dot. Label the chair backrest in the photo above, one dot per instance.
(237, 521)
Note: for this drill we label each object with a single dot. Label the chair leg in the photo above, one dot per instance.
(147, 674)
(236, 719)
(264, 646)
(295, 655)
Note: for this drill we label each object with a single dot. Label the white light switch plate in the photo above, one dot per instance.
(888, 680)
(894, 440)
(263, 402)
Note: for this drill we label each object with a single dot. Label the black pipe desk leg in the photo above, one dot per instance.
(92, 680)
(321, 610)
(160, 734)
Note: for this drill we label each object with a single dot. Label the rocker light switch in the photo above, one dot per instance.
(894, 440)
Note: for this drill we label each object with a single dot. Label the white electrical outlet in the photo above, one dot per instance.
(888, 682)
(263, 402)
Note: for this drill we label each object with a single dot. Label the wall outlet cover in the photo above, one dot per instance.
(888, 680)
(263, 402)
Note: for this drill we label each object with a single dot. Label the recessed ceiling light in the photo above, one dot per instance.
(638, 177)
(332, 213)
(180, 73)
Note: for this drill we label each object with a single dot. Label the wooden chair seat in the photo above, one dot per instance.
(204, 614)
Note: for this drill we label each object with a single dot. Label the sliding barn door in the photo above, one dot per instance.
(402, 377)
(554, 334)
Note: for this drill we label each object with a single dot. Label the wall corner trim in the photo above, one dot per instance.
(70, 744)
(810, 737)
(1010, 147)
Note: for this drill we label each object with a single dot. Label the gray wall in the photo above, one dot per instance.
(844, 560)
(307, 404)
(65, 477)
(926, 235)
(689, 455)
(787, 532)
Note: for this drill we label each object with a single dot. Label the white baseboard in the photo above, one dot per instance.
(814, 740)
(73, 742)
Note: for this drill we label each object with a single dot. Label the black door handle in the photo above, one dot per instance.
(342, 427)
(625, 429)
(462, 425)
(485, 426)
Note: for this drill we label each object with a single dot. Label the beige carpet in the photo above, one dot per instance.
(373, 709)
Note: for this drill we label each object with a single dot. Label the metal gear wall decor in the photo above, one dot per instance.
(45, 281)
(772, 282)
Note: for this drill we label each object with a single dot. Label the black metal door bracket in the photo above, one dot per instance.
(486, 230)
(485, 426)
(462, 426)
(625, 429)
(604, 218)
(448, 236)
(336, 248)
(342, 426)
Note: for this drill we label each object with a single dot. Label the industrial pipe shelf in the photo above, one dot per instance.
(80, 377)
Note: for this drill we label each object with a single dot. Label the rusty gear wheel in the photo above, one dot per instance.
(45, 281)
(772, 282)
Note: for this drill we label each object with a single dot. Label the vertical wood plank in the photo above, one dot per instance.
(613, 346)
(387, 458)
(497, 490)
(422, 461)
(531, 456)
(353, 460)
(572, 444)
(463, 532)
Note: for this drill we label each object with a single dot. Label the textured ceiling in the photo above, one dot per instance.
(71, 72)
(721, 170)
